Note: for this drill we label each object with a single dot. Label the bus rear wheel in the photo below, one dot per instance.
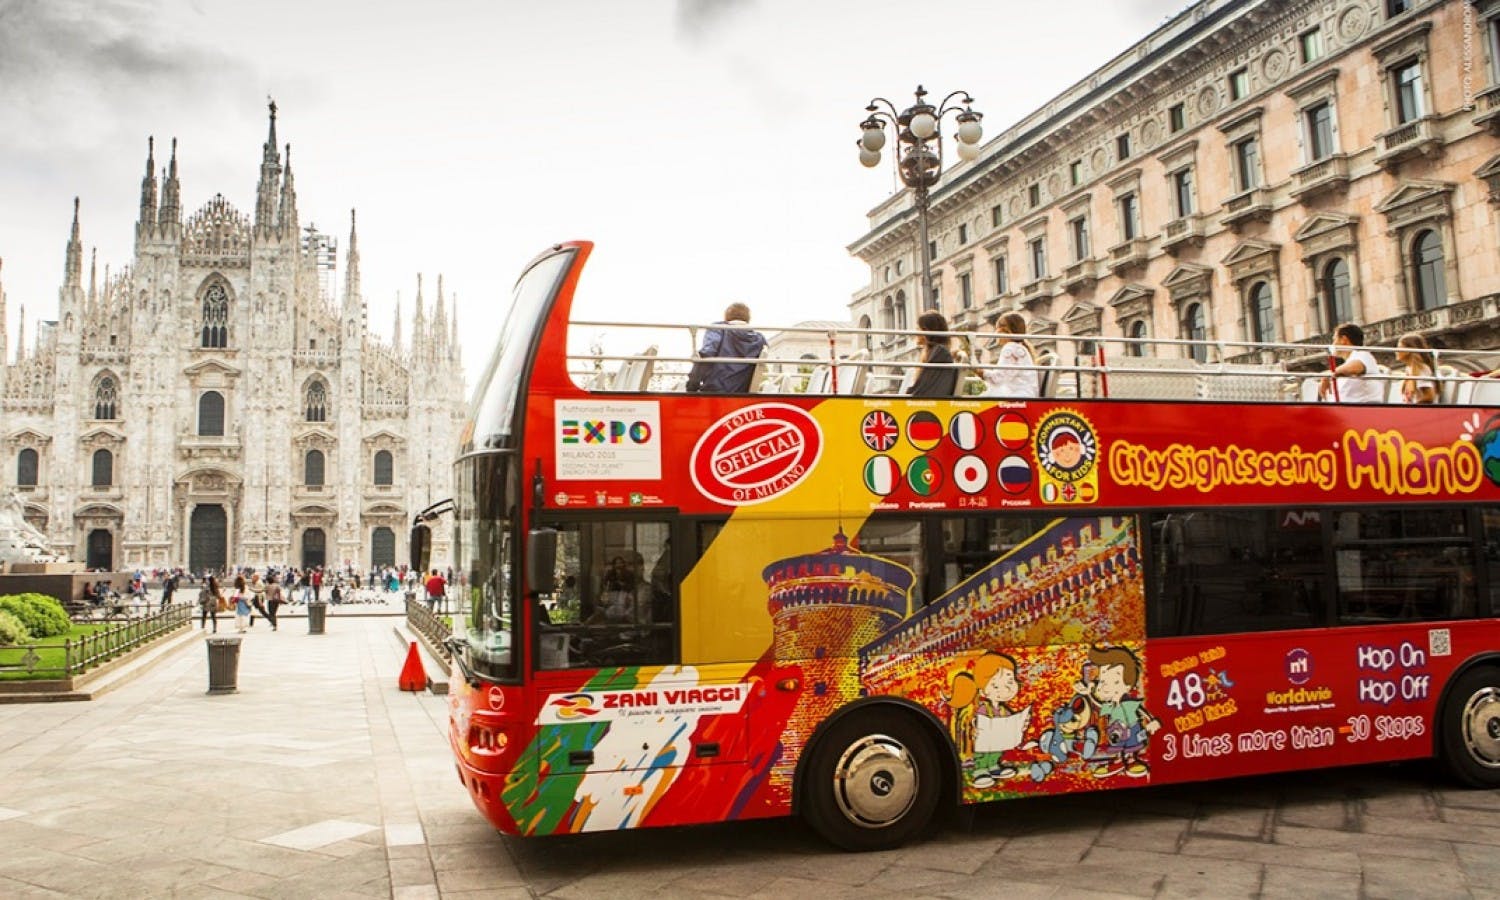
(871, 781)
(1471, 728)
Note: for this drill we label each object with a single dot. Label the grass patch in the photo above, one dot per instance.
(50, 652)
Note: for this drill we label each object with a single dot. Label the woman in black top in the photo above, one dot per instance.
(938, 378)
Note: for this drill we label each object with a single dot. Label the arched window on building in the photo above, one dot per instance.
(1427, 270)
(215, 330)
(1338, 303)
(106, 398)
(312, 468)
(866, 340)
(211, 414)
(1259, 312)
(383, 468)
(26, 468)
(1137, 333)
(1195, 328)
(888, 313)
(317, 401)
(104, 469)
(901, 310)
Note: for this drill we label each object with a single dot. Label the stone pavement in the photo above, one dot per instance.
(321, 779)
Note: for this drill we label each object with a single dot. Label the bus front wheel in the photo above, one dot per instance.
(1471, 728)
(871, 782)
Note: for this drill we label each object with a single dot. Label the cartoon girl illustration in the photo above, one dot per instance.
(984, 725)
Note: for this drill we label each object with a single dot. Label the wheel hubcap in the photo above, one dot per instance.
(1481, 722)
(875, 781)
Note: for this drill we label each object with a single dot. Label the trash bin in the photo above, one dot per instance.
(316, 612)
(223, 665)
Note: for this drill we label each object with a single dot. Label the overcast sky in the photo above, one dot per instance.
(707, 146)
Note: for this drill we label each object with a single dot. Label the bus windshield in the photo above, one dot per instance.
(493, 413)
(483, 511)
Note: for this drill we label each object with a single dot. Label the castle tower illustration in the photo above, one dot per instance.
(824, 607)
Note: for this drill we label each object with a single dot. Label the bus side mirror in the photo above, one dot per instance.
(541, 561)
(421, 547)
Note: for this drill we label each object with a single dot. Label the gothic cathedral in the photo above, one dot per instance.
(213, 405)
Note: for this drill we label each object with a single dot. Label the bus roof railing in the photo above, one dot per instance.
(845, 360)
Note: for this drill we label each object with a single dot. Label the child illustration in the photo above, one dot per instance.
(984, 725)
(1112, 677)
(1074, 735)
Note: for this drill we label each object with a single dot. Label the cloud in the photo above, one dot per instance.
(71, 66)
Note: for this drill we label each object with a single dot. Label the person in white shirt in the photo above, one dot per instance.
(1354, 374)
(1017, 375)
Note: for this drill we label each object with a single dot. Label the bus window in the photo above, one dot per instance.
(615, 603)
(1397, 564)
(1490, 521)
(1226, 571)
(973, 542)
(899, 540)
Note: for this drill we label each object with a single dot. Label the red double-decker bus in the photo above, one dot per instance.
(686, 607)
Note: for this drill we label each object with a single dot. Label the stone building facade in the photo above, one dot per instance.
(211, 405)
(1250, 171)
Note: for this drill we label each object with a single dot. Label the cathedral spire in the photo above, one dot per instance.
(171, 196)
(351, 270)
(73, 265)
(286, 221)
(93, 275)
(453, 335)
(396, 330)
(270, 176)
(419, 324)
(148, 192)
(4, 356)
(21, 335)
(439, 322)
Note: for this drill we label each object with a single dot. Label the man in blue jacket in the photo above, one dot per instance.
(727, 343)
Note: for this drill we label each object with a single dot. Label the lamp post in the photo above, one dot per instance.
(919, 152)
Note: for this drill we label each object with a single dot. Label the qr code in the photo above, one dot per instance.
(1439, 642)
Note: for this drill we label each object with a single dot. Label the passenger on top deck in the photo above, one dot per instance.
(727, 343)
(1354, 374)
(938, 377)
(1016, 376)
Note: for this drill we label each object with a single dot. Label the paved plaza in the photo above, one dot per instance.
(319, 778)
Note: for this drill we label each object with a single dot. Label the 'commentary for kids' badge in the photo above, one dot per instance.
(756, 454)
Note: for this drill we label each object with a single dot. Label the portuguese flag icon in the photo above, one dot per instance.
(882, 474)
(924, 476)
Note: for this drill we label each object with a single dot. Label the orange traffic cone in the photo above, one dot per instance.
(413, 676)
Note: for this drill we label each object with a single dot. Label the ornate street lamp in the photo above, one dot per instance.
(919, 152)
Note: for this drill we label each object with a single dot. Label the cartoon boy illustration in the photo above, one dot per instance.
(1067, 449)
(1112, 678)
(984, 725)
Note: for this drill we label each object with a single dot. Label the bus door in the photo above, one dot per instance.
(611, 693)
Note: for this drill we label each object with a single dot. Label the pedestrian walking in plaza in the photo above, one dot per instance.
(317, 584)
(304, 581)
(241, 605)
(258, 598)
(437, 589)
(273, 601)
(208, 603)
(168, 588)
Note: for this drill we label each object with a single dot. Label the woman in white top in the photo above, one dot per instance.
(1355, 375)
(1017, 375)
(1420, 386)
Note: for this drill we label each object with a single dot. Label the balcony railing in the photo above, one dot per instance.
(1128, 255)
(1487, 102)
(1182, 232)
(1330, 173)
(1038, 290)
(1247, 207)
(1415, 138)
(1080, 276)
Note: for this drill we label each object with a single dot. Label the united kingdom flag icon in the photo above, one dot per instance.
(879, 430)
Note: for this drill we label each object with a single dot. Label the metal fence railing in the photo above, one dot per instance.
(430, 625)
(78, 655)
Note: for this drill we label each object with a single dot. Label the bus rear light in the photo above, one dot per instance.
(488, 741)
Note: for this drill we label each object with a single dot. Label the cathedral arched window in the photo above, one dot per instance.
(317, 402)
(26, 468)
(383, 468)
(211, 414)
(106, 397)
(104, 469)
(312, 468)
(216, 317)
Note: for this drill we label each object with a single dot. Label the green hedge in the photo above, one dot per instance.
(12, 629)
(42, 616)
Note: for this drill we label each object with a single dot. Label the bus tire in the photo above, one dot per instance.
(871, 781)
(1471, 728)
